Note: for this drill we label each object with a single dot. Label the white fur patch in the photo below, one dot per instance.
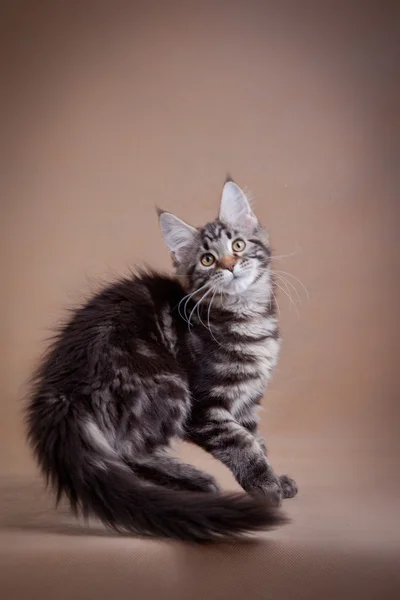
(255, 327)
(219, 414)
(98, 439)
(245, 390)
(265, 349)
(236, 368)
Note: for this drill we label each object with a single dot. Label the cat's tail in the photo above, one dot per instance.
(79, 463)
(116, 496)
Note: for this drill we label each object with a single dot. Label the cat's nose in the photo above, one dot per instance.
(227, 262)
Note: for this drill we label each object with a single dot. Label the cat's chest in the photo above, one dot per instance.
(235, 364)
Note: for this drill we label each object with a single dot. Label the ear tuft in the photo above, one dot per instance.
(235, 208)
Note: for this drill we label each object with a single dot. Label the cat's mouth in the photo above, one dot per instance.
(237, 282)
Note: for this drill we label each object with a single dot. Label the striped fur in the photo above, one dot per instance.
(128, 373)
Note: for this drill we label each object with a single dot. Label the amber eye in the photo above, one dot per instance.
(238, 245)
(207, 260)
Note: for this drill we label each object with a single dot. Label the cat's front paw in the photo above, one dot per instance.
(271, 488)
(289, 486)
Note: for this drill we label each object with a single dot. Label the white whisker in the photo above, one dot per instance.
(290, 298)
(208, 318)
(221, 296)
(288, 285)
(199, 316)
(197, 304)
(277, 304)
(187, 298)
(298, 280)
(278, 256)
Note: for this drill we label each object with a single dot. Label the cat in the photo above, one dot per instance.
(151, 358)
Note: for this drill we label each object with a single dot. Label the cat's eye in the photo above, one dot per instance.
(207, 260)
(238, 245)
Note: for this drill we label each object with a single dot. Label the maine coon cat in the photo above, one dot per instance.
(151, 358)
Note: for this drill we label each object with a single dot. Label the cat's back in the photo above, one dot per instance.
(124, 324)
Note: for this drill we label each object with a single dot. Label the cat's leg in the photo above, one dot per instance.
(223, 437)
(250, 420)
(161, 469)
(149, 419)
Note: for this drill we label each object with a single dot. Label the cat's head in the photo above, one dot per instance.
(229, 254)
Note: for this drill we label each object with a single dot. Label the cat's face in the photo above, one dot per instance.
(228, 255)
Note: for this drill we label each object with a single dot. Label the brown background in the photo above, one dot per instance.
(111, 108)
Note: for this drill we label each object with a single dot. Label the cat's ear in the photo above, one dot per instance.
(178, 235)
(235, 209)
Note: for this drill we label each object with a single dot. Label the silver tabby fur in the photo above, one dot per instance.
(152, 358)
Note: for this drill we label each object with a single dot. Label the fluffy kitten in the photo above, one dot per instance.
(151, 358)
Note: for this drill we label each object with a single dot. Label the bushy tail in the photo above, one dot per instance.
(101, 485)
(119, 499)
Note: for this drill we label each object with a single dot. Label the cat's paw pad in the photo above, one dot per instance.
(289, 486)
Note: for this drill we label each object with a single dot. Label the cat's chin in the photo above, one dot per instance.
(238, 285)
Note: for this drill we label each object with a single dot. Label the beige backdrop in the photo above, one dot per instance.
(111, 108)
